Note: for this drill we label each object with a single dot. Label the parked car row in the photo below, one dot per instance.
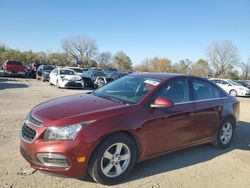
(231, 87)
(75, 77)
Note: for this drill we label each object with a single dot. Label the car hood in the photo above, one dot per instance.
(241, 87)
(71, 77)
(80, 107)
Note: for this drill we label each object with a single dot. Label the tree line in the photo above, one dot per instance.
(222, 59)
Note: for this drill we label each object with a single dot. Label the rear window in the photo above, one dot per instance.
(14, 63)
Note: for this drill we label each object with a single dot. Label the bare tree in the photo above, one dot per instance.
(222, 55)
(245, 68)
(80, 48)
(200, 68)
(104, 60)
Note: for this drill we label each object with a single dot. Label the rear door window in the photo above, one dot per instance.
(203, 90)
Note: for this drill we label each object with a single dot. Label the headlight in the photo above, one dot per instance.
(65, 133)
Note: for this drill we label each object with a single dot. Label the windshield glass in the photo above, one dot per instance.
(233, 83)
(67, 72)
(48, 67)
(127, 90)
(77, 70)
(99, 73)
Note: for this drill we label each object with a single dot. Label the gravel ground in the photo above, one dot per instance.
(202, 166)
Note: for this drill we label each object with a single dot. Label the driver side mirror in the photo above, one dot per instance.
(162, 102)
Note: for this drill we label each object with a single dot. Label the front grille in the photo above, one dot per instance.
(73, 84)
(33, 120)
(28, 133)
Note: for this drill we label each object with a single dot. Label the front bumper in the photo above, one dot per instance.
(72, 84)
(14, 73)
(46, 77)
(61, 151)
(243, 93)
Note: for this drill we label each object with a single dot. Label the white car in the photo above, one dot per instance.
(231, 87)
(79, 71)
(65, 78)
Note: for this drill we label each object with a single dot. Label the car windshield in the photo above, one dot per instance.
(233, 83)
(48, 67)
(14, 63)
(99, 73)
(127, 90)
(67, 72)
(77, 70)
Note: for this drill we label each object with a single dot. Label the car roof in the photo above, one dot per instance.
(161, 76)
(65, 69)
(73, 68)
(219, 79)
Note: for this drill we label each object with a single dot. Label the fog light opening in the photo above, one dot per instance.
(53, 160)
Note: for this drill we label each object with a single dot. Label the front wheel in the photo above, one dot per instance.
(57, 84)
(43, 79)
(225, 134)
(113, 160)
(233, 93)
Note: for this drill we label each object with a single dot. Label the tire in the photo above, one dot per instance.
(113, 169)
(225, 134)
(50, 82)
(233, 93)
(43, 80)
(57, 84)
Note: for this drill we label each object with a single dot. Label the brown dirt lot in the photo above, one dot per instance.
(202, 166)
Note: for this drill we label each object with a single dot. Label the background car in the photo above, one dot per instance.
(79, 71)
(65, 78)
(90, 77)
(43, 72)
(231, 87)
(14, 68)
(31, 69)
(244, 83)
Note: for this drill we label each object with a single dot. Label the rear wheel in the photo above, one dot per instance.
(113, 160)
(57, 84)
(225, 134)
(233, 93)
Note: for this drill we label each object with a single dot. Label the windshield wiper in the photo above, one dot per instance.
(109, 98)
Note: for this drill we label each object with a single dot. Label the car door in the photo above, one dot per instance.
(53, 76)
(171, 128)
(207, 108)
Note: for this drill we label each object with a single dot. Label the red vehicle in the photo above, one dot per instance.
(134, 118)
(13, 68)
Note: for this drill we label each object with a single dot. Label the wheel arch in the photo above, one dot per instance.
(230, 116)
(125, 132)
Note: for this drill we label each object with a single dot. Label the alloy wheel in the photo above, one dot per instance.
(115, 160)
(226, 133)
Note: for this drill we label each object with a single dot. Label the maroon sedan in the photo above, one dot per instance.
(134, 118)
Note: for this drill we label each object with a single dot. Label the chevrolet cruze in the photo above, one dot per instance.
(134, 118)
